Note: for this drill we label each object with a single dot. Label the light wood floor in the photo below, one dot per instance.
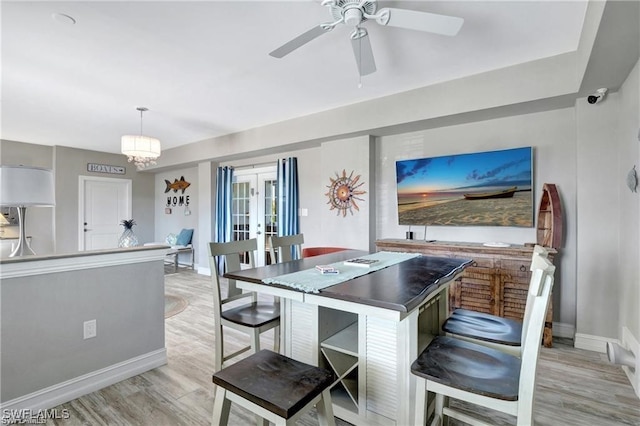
(575, 387)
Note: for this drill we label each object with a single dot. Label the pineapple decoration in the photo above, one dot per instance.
(128, 238)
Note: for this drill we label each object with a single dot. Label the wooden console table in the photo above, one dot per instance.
(497, 282)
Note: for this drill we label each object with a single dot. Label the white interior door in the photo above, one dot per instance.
(104, 203)
(254, 208)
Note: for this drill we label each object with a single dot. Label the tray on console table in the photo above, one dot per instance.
(496, 282)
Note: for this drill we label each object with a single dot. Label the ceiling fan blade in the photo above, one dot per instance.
(363, 54)
(420, 21)
(301, 40)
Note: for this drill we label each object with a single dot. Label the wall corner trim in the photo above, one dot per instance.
(629, 341)
(204, 271)
(564, 330)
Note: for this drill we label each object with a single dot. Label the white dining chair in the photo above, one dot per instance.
(252, 317)
(280, 247)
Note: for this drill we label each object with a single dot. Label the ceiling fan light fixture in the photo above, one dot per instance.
(353, 16)
(141, 150)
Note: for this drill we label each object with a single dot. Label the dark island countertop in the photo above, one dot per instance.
(401, 287)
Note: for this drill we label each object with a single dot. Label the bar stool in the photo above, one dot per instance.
(504, 334)
(275, 388)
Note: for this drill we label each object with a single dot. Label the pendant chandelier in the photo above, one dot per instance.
(141, 150)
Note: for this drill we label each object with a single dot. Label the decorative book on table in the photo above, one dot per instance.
(327, 269)
(363, 263)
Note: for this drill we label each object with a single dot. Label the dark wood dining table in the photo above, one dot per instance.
(367, 329)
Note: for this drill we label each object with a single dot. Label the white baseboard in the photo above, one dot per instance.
(599, 344)
(592, 343)
(71, 389)
(204, 271)
(563, 330)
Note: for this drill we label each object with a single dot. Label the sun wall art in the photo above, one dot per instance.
(343, 193)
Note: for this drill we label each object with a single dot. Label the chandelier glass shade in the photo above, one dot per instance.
(143, 151)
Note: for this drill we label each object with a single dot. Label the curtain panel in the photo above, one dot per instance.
(224, 219)
(288, 198)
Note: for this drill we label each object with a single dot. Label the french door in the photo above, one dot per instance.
(255, 202)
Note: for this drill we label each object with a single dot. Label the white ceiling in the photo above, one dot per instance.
(203, 69)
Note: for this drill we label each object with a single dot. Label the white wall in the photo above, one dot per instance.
(629, 219)
(203, 233)
(552, 135)
(352, 157)
(598, 212)
(629, 156)
(174, 222)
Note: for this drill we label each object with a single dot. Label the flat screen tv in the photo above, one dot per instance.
(479, 189)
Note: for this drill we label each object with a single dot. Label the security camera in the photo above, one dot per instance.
(597, 97)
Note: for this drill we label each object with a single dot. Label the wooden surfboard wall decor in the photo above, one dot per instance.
(549, 231)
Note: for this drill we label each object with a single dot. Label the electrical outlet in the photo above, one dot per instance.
(90, 329)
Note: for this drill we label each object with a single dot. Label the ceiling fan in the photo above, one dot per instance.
(355, 12)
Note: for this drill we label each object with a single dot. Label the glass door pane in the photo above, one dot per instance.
(241, 212)
(269, 212)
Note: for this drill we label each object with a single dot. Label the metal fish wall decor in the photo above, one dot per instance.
(177, 185)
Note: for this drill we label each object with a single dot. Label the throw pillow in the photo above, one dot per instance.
(184, 238)
(171, 239)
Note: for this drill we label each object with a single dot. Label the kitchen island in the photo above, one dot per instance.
(367, 329)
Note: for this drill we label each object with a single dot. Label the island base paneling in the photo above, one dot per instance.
(497, 282)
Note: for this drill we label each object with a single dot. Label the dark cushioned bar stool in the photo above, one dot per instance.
(457, 369)
(504, 334)
(275, 388)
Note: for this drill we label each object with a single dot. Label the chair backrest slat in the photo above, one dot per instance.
(231, 252)
(541, 285)
(538, 251)
(284, 244)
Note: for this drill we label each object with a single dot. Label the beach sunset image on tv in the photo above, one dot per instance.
(491, 188)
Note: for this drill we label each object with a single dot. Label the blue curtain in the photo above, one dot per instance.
(224, 218)
(288, 198)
